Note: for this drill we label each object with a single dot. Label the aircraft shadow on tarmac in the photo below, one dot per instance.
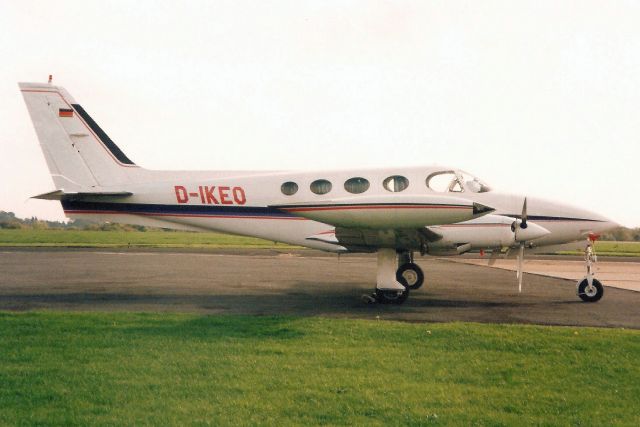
(285, 303)
(335, 302)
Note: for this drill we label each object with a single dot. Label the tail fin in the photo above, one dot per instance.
(78, 152)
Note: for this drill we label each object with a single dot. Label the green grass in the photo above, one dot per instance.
(174, 369)
(106, 239)
(631, 249)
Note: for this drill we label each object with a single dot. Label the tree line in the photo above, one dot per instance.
(8, 220)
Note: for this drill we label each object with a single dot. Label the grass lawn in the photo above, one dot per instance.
(617, 248)
(131, 369)
(628, 249)
(106, 239)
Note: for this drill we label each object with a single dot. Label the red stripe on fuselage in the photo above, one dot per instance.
(328, 232)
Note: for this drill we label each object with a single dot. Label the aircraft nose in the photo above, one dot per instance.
(585, 218)
(596, 222)
(606, 224)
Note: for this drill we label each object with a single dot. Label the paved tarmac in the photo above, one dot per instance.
(300, 283)
(616, 273)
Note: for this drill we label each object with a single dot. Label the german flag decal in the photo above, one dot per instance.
(65, 112)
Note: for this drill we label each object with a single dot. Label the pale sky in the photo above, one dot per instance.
(540, 98)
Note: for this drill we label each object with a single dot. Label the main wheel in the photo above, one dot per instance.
(591, 293)
(384, 296)
(410, 276)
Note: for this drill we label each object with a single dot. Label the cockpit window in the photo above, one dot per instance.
(455, 182)
(472, 183)
(445, 181)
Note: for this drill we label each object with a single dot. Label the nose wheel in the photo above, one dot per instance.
(589, 289)
(590, 292)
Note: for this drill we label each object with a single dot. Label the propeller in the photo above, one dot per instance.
(520, 262)
(523, 232)
(520, 235)
(520, 224)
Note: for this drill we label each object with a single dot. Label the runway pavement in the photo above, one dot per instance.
(299, 283)
(616, 273)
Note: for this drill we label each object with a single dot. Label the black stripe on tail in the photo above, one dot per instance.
(111, 146)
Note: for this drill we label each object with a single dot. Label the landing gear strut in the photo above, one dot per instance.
(590, 289)
(393, 282)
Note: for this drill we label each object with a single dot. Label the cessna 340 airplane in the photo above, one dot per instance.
(394, 212)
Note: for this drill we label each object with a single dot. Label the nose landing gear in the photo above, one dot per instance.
(589, 289)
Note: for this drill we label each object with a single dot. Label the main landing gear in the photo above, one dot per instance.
(397, 274)
(590, 289)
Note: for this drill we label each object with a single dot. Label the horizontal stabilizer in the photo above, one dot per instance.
(75, 195)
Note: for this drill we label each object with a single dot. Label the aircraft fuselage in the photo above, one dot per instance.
(254, 204)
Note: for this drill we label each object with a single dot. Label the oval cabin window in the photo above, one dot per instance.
(289, 188)
(320, 186)
(395, 183)
(356, 185)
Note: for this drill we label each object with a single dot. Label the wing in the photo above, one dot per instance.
(368, 240)
(365, 223)
(388, 212)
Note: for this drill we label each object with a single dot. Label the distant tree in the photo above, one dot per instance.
(622, 234)
(8, 220)
(10, 225)
(7, 216)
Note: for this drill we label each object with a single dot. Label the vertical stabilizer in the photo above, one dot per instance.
(78, 152)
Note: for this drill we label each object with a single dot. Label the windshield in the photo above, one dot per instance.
(445, 181)
(456, 182)
(472, 183)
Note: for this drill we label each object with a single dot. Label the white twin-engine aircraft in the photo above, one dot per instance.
(393, 212)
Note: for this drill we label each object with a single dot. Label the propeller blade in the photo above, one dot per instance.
(520, 261)
(520, 223)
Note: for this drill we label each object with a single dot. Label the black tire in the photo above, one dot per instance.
(590, 295)
(410, 270)
(391, 296)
